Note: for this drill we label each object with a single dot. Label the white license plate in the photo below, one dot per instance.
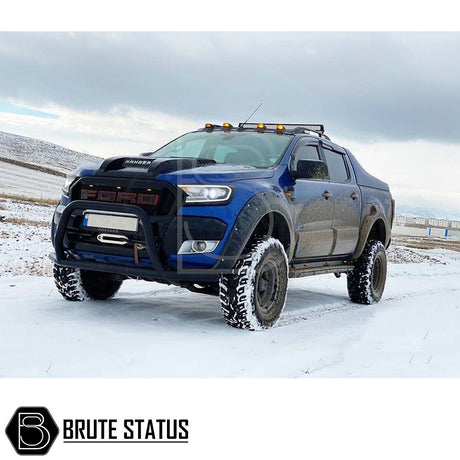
(111, 221)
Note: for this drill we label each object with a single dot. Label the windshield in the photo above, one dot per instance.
(260, 150)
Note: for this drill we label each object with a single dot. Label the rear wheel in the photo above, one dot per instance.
(367, 280)
(76, 285)
(254, 295)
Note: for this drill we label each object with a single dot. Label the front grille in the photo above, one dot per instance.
(155, 199)
(114, 194)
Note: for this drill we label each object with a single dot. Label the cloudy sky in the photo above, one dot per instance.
(392, 98)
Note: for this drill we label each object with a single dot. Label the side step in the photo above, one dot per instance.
(300, 270)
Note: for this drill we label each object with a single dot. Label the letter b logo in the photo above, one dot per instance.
(32, 430)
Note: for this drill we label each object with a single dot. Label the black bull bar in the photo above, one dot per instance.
(159, 271)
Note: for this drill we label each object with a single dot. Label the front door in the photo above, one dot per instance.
(313, 208)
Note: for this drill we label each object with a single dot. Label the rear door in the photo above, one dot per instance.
(346, 201)
(312, 207)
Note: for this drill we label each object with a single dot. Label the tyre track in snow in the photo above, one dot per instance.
(337, 307)
(333, 309)
(319, 303)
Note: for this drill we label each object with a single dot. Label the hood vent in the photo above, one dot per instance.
(149, 166)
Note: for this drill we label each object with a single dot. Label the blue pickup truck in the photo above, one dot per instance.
(228, 211)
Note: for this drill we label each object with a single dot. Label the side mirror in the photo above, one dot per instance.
(310, 169)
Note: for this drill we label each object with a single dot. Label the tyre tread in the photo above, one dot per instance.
(236, 290)
(359, 281)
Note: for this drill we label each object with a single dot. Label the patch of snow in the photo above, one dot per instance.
(23, 210)
(24, 249)
(16, 180)
(402, 254)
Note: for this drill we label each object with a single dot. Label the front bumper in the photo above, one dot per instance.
(151, 263)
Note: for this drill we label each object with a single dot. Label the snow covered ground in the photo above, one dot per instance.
(16, 180)
(152, 330)
(25, 237)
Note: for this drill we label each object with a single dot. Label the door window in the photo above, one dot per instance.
(305, 152)
(338, 171)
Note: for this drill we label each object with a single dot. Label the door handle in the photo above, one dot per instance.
(327, 195)
(354, 195)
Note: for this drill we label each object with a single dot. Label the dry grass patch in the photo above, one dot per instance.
(426, 242)
(22, 221)
(29, 199)
(34, 167)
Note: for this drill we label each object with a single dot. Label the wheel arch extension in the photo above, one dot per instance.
(378, 231)
(265, 214)
(373, 227)
(274, 224)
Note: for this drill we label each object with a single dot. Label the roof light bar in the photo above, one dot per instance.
(292, 128)
(316, 128)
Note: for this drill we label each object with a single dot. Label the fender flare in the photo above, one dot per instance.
(366, 227)
(251, 214)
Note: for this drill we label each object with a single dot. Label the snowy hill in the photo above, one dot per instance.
(38, 152)
(34, 168)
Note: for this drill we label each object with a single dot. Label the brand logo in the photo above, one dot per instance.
(32, 431)
(137, 163)
(146, 199)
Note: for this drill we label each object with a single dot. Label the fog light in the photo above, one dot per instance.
(198, 246)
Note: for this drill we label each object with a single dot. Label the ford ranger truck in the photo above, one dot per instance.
(228, 211)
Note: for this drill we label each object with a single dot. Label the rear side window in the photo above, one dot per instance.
(336, 164)
(305, 152)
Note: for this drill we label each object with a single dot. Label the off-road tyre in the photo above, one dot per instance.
(76, 285)
(367, 280)
(253, 296)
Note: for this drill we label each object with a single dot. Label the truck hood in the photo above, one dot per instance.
(166, 169)
(220, 173)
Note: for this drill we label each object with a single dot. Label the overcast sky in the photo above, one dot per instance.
(392, 98)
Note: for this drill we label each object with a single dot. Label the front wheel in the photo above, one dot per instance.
(254, 295)
(367, 280)
(76, 285)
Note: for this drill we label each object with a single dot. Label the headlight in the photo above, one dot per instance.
(68, 182)
(206, 193)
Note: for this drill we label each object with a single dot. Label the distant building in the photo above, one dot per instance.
(426, 222)
(426, 227)
(420, 220)
(438, 223)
